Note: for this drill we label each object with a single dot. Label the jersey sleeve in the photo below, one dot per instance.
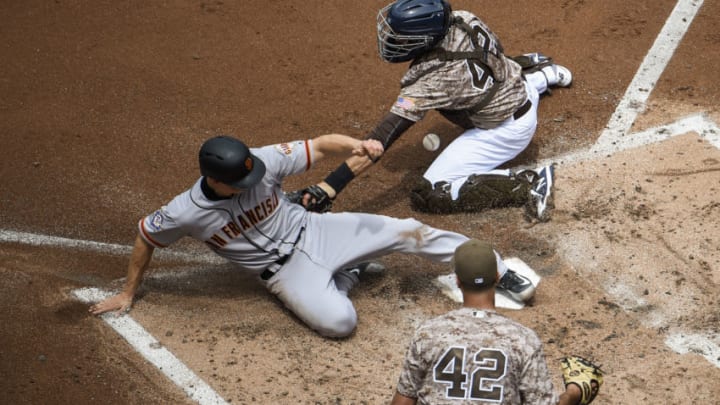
(287, 158)
(413, 372)
(535, 384)
(160, 228)
(435, 90)
(408, 108)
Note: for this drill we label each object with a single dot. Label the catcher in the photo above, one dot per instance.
(458, 68)
(475, 355)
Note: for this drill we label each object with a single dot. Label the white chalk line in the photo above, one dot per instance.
(616, 137)
(702, 344)
(153, 351)
(612, 140)
(706, 129)
(649, 72)
(128, 328)
(25, 238)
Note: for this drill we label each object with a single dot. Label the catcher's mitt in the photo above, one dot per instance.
(583, 373)
(319, 200)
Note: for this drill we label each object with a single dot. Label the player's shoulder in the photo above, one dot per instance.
(455, 319)
(281, 149)
(182, 201)
(493, 319)
(519, 331)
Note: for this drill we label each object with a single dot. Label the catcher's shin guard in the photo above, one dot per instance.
(479, 192)
(435, 200)
(482, 191)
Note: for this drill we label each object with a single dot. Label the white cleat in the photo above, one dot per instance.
(366, 268)
(542, 190)
(557, 75)
(519, 287)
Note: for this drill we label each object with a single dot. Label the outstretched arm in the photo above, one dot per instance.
(386, 132)
(342, 145)
(122, 302)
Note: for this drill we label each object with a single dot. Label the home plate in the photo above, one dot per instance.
(448, 286)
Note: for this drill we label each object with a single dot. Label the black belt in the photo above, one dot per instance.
(277, 264)
(267, 273)
(522, 110)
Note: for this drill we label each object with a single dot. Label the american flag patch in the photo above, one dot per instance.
(405, 103)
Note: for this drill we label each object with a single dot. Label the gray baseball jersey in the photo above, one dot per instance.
(259, 226)
(471, 356)
(248, 229)
(433, 84)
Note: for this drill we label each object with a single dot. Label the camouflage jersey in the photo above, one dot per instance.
(472, 356)
(457, 88)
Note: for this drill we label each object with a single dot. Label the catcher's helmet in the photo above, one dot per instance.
(408, 28)
(229, 161)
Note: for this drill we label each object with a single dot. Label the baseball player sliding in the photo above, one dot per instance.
(458, 68)
(238, 209)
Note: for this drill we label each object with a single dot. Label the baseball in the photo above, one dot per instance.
(431, 142)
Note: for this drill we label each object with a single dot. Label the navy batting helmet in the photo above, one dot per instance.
(408, 28)
(229, 161)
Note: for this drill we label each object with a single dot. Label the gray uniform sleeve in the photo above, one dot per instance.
(160, 228)
(287, 158)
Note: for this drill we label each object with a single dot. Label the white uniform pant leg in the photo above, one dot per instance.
(334, 241)
(343, 239)
(358, 237)
(308, 290)
(480, 151)
(538, 80)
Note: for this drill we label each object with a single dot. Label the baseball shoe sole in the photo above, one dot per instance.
(542, 191)
(519, 287)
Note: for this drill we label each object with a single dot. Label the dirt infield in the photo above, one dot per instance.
(104, 105)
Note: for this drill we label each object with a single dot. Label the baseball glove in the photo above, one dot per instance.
(319, 200)
(583, 373)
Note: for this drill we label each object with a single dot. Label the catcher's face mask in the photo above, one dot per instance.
(408, 28)
(394, 47)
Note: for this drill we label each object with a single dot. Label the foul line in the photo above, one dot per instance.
(617, 137)
(125, 326)
(613, 139)
(8, 236)
(649, 72)
(154, 351)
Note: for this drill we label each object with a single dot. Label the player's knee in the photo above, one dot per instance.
(337, 324)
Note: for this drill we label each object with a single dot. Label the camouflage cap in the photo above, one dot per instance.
(475, 264)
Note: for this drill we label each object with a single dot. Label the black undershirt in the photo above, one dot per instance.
(210, 194)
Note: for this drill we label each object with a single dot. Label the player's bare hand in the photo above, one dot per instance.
(120, 303)
(371, 148)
